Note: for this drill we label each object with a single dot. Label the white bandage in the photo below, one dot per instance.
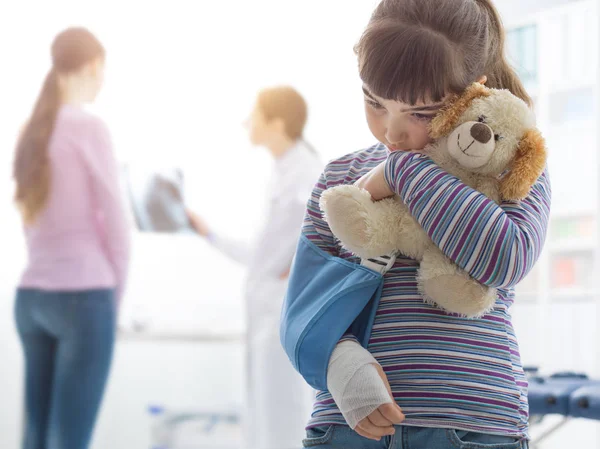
(354, 383)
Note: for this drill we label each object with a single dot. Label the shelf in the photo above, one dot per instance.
(559, 213)
(573, 300)
(526, 297)
(526, 300)
(572, 293)
(572, 245)
(557, 295)
(527, 293)
(567, 85)
(562, 127)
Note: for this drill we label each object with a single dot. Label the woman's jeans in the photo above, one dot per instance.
(68, 340)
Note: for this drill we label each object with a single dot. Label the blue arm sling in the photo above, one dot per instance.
(326, 298)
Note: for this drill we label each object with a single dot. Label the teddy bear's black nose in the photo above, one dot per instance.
(481, 133)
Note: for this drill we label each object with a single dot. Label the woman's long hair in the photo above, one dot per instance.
(71, 51)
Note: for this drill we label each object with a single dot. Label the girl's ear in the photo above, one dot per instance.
(446, 120)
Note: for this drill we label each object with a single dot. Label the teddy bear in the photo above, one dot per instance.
(485, 137)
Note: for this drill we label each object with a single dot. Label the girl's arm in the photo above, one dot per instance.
(354, 378)
(496, 244)
(315, 228)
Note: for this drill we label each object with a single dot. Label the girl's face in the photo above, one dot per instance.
(399, 126)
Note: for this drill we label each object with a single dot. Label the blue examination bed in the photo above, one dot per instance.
(569, 395)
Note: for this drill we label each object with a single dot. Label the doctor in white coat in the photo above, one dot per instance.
(279, 401)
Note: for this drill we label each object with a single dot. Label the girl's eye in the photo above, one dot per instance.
(422, 116)
(498, 137)
(482, 119)
(373, 104)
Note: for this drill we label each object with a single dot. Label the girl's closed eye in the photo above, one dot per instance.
(374, 104)
(422, 117)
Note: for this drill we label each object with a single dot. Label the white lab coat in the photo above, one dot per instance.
(279, 400)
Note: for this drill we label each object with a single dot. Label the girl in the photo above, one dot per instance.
(454, 382)
(77, 237)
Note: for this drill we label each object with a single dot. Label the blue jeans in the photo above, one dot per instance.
(343, 437)
(68, 340)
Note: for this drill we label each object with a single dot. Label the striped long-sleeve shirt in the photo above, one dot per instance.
(445, 371)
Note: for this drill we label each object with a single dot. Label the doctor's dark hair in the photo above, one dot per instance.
(422, 50)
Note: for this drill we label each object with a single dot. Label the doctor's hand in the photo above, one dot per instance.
(198, 223)
(374, 182)
(382, 421)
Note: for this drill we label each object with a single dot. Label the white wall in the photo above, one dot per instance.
(515, 10)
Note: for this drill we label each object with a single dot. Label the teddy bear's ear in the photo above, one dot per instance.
(445, 121)
(527, 166)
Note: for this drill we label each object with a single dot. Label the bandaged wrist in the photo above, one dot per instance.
(354, 382)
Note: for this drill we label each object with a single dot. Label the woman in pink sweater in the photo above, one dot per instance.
(77, 234)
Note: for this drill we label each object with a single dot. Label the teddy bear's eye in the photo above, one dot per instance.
(482, 119)
(498, 137)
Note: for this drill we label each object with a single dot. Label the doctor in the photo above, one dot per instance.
(279, 400)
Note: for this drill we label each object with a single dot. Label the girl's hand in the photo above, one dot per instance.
(382, 421)
(374, 182)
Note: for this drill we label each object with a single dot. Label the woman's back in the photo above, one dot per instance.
(69, 244)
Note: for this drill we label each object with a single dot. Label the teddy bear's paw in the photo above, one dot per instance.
(346, 209)
(459, 294)
(364, 227)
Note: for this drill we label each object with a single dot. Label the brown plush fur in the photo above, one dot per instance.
(528, 164)
(446, 120)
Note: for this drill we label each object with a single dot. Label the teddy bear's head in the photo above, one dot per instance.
(492, 132)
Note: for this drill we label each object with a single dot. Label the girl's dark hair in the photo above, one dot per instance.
(71, 50)
(421, 50)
